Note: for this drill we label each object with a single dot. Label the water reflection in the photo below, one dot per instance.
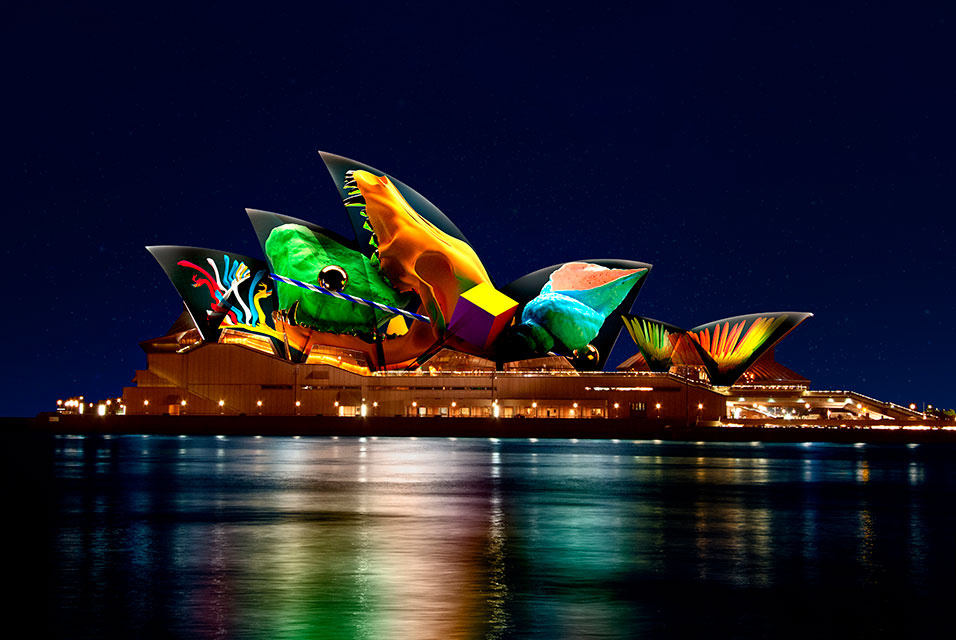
(437, 538)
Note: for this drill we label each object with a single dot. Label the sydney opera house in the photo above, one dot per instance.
(404, 320)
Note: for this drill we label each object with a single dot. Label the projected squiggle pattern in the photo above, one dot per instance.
(247, 311)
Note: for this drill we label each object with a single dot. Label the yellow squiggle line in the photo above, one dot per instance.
(263, 292)
(260, 327)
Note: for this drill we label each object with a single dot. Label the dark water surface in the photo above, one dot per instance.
(210, 537)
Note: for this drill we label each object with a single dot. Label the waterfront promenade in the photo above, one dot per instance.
(583, 428)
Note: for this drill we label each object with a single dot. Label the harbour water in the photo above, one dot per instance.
(242, 537)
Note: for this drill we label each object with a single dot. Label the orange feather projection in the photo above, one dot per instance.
(729, 346)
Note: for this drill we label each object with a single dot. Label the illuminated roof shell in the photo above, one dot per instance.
(729, 346)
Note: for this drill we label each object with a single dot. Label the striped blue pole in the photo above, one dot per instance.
(352, 299)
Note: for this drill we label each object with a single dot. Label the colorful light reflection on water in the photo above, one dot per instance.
(432, 538)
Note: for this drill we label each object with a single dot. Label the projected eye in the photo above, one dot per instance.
(333, 278)
(587, 354)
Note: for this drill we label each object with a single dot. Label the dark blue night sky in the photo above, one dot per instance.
(762, 158)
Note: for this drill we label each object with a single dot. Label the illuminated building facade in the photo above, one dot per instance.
(404, 320)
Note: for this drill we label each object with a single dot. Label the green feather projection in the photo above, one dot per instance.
(656, 340)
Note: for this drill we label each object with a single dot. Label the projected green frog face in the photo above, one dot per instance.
(299, 253)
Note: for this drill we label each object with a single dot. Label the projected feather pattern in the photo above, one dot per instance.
(729, 346)
(655, 340)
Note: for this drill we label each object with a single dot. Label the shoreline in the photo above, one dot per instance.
(542, 428)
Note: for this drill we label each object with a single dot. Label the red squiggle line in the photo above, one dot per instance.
(207, 281)
(187, 263)
(198, 282)
(217, 306)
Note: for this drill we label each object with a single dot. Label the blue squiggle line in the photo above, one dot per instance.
(252, 295)
(227, 273)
